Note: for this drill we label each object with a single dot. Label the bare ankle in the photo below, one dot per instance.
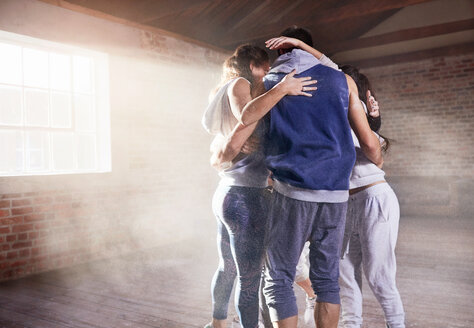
(218, 323)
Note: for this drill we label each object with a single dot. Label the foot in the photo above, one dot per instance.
(309, 311)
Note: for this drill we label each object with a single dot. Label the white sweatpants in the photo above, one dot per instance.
(369, 244)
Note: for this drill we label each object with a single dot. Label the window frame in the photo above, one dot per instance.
(99, 94)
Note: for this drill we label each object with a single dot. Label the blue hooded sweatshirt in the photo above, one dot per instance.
(308, 145)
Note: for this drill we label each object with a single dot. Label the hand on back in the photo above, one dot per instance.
(298, 86)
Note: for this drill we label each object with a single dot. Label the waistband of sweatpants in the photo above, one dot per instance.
(371, 192)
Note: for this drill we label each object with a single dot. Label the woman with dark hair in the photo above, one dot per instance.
(370, 236)
(366, 95)
(239, 202)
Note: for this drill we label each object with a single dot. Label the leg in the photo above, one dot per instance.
(326, 243)
(326, 314)
(286, 323)
(350, 268)
(245, 217)
(302, 280)
(379, 262)
(223, 279)
(289, 227)
(302, 272)
(264, 310)
(306, 286)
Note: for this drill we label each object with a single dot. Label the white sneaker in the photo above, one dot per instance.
(309, 311)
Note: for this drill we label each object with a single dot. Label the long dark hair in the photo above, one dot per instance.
(363, 84)
(238, 65)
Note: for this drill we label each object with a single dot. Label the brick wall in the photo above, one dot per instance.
(428, 109)
(160, 188)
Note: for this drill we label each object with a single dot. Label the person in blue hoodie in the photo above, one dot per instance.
(309, 150)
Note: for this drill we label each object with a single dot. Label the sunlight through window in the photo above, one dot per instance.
(54, 108)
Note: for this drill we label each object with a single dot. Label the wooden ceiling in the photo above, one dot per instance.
(335, 24)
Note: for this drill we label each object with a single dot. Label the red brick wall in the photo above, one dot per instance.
(160, 188)
(428, 109)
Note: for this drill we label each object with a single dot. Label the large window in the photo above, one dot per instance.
(54, 109)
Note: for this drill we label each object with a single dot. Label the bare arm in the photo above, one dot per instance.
(369, 142)
(248, 111)
(257, 108)
(284, 42)
(225, 150)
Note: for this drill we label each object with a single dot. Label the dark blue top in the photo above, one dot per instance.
(308, 143)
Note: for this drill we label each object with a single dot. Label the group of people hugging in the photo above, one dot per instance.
(302, 195)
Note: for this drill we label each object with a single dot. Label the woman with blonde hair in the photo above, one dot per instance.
(239, 203)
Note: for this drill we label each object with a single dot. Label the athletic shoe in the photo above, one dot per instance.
(309, 311)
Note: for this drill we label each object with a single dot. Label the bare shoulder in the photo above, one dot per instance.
(240, 87)
(350, 83)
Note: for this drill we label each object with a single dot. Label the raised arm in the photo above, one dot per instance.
(369, 142)
(284, 42)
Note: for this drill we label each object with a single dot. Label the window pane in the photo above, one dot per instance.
(84, 110)
(35, 64)
(82, 74)
(10, 105)
(11, 150)
(63, 151)
(60, 110)
(60, 72)
(37, 151)
(86, 152)
(10, 64)
(36, 107)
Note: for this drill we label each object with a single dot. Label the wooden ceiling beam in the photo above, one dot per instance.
(402, 35)
(139, 11)
(99, 14)
(251, 16)
(169, 7)
(452, 50)
(322, 17)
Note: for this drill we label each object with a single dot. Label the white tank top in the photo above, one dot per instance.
(250, 171)
(364, 172)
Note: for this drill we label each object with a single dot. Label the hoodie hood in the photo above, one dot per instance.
(296, 59)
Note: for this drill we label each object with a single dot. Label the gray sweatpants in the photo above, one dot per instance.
(291, 223)
(369, 244)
